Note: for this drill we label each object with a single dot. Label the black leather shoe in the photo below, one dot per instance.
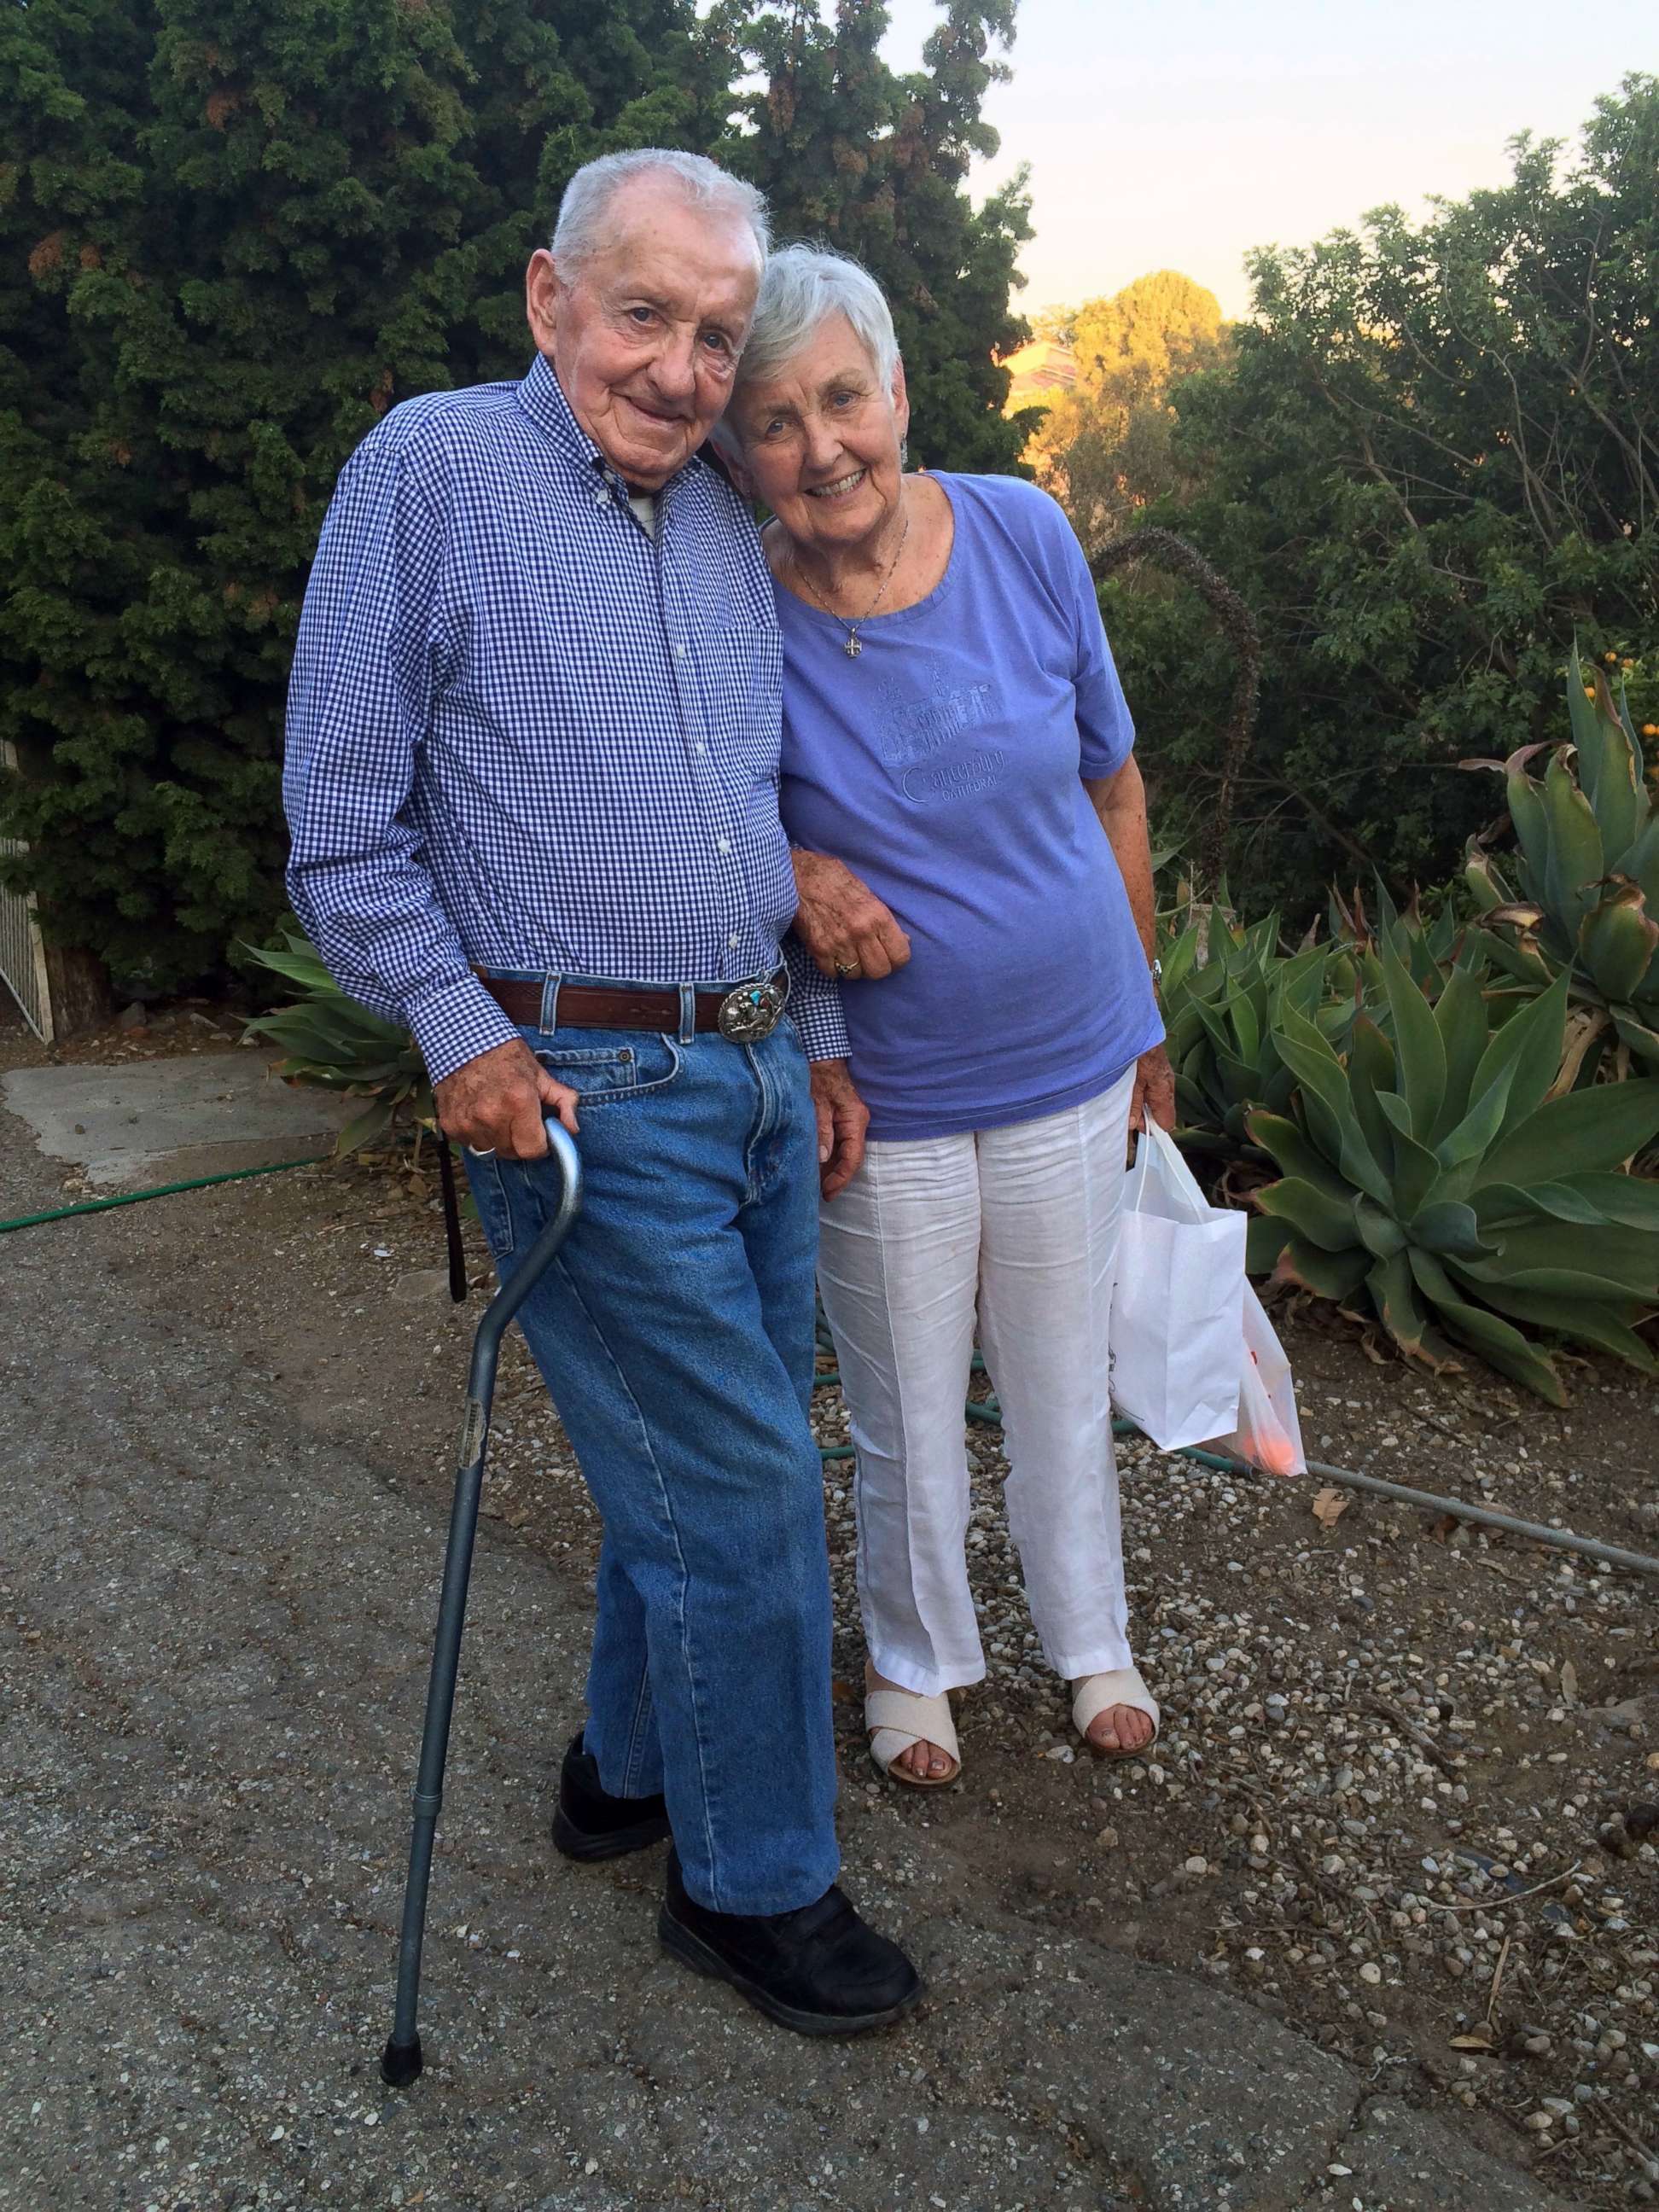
(820, 1970)
(591, 1824)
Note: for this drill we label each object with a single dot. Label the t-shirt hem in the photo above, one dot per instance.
(887, 1128)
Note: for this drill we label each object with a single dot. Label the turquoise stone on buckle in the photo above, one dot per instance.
(753, 1010)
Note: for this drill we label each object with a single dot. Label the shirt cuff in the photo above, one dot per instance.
(455, 1023)
(815, 1006)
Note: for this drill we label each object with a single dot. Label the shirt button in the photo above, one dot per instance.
(679, 653)
(725, 845)
(734, 940)
(601, 499)
(702, 749)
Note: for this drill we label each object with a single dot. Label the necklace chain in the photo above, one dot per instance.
(852, 647)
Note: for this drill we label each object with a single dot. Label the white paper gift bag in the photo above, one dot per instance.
(1177, 1308)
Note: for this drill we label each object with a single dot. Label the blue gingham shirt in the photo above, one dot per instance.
(525, 734)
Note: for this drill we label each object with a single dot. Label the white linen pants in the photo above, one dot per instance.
(1020, 1224)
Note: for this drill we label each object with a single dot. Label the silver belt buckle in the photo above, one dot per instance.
(753, 1010)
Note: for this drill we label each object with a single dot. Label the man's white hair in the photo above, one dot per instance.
(804, 287)
(583, 228)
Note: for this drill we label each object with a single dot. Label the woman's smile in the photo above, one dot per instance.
(839, 488)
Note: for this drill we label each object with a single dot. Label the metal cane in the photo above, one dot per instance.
(400, 2061)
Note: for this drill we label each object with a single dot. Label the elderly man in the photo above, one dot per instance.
(531, 779)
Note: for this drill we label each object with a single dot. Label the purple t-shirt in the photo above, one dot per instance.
(943, 766)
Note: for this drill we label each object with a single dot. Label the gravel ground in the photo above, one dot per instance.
(1404, 1797)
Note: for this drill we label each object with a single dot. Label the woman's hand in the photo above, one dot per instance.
(841, 922)
(843, 1118)
(1154, 1091)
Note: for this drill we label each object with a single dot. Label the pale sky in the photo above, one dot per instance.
(1177, 134)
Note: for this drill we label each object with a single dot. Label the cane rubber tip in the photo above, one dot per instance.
(400, 2063)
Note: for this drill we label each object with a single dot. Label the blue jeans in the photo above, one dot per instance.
(675, 1333)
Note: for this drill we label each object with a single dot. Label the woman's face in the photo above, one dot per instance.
(820, 441)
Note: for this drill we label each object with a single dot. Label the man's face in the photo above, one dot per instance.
(644, 336)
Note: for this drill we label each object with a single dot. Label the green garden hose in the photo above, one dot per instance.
(161, 1190)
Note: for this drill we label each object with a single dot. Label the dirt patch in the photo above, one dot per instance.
(1392, 1748)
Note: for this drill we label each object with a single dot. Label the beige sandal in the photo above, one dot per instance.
(898, 1718)
(1098, 1693)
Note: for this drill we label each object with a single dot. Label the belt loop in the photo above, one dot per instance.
(688, 1014)
(549, 1003)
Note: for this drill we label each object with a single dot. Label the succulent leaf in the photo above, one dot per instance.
(1501, 1205)
(1335, 1275)
(1391, 1283)
(1607, 1327)
(1624, 1260)
(1643, 1039)
(1371, 1074)
(1517, 1065)
(1503, 1347)
(1296, 1155)
(1485, 887)
(1601, 1127)
(1531, 824)
(1617, 940)
(1641, 863)
(1417, 1170)
(1327, 1102)
(1420, 1053)
(1314, 1216)
(1576, 860)
(1450, 1231)
(1459, 1015)
(1264, 1239)
(1520, 959)
(1631, 1201)
(1614, 787)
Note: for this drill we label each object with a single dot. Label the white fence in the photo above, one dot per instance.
(22, 957)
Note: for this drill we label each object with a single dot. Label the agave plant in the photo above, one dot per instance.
(327, 1038)
(1581, 896)
(1435, 1177)
(1427, 948)
(1222, 989)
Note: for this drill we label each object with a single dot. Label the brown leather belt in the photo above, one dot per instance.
(592, 1006)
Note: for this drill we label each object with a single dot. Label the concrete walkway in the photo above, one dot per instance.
(213, 1666)
(162, 1120)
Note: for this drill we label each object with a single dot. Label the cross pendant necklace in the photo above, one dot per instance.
(855, 645)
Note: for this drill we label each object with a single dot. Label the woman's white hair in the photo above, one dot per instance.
(582, 228)
(803, 288)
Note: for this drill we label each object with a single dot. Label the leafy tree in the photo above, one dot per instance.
(1429, 463)
(238, 234)
(1104, 446)
(874, 162)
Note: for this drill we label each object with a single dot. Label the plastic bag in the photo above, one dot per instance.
(1268, 1434)
(1178, 1307)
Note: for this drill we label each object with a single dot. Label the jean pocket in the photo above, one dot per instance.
(484, 1175)
(608, 1073)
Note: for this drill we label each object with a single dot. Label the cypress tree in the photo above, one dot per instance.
(874, 162)
(79, 526)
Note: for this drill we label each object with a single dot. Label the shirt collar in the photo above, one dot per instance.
(541, 396)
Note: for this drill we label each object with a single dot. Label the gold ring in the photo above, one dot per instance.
(847, 967)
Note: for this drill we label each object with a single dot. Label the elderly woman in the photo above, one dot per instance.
(956, 738)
